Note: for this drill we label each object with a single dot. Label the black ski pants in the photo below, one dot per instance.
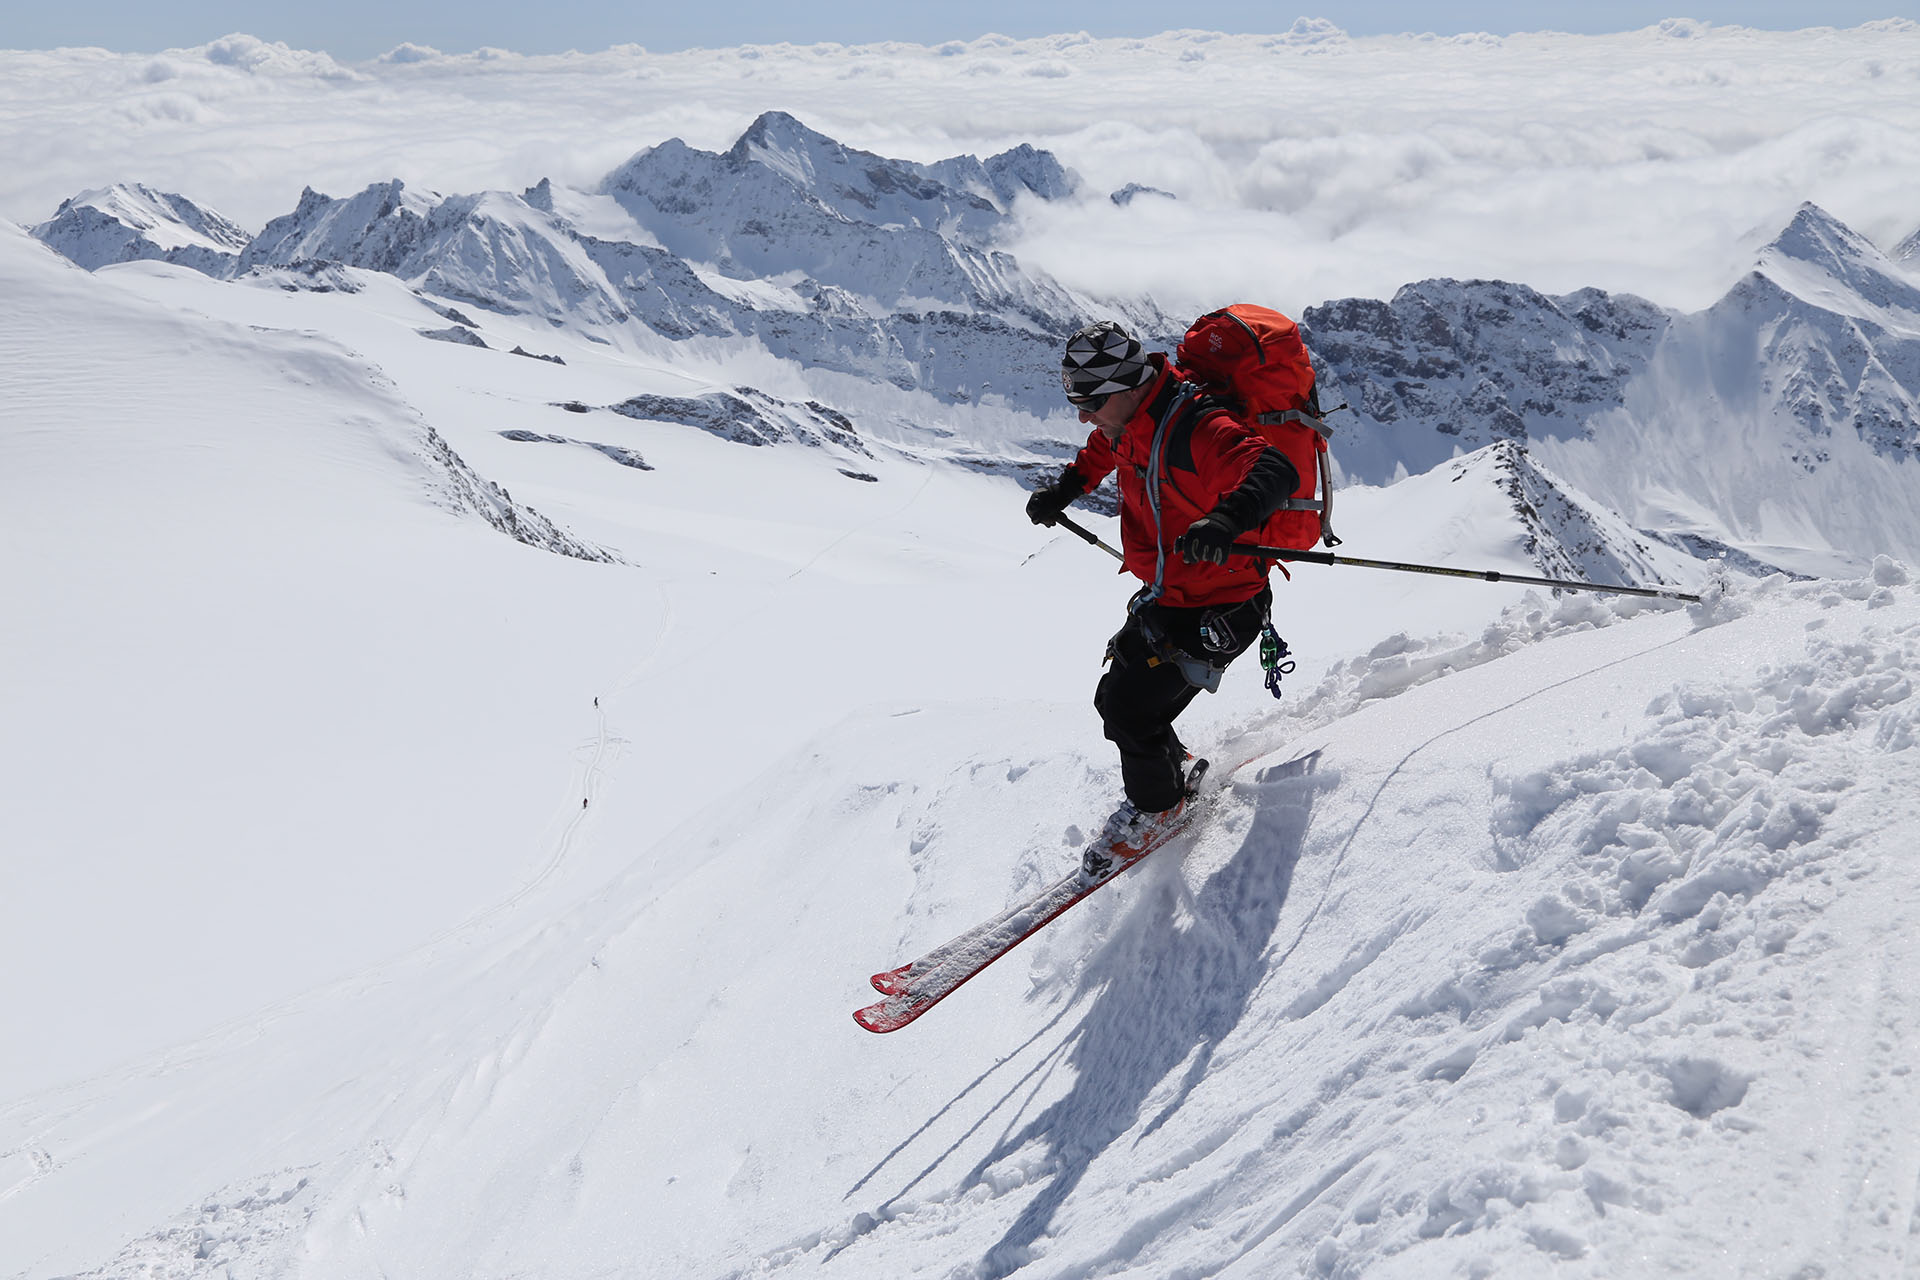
(1144, 689)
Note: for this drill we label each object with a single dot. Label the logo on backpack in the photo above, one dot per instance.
(1253, 358)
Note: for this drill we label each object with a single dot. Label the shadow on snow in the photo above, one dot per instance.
(1166, 996)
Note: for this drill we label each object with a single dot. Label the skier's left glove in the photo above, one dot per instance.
(1208, 540)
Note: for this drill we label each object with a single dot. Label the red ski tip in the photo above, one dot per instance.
(890, 1014)
(893, 981)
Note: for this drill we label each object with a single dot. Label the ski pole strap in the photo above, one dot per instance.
(1485, 575)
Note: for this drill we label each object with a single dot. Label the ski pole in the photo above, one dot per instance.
(1086, 536)
(1487, 575)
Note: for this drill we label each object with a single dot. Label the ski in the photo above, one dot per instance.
(918, 985)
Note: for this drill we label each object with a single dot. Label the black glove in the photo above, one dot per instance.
(1047, 504)
(1208, 539)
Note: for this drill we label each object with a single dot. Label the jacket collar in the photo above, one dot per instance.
(1136, 438)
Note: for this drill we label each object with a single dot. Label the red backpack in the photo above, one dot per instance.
(1252, 357)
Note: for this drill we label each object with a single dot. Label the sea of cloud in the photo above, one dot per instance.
(1304, 165)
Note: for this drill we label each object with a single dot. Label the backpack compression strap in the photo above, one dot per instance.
(1324, 503)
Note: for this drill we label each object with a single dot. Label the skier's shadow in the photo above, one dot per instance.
(1165, 995)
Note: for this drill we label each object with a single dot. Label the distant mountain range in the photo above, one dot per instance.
(836, 258)
(1784, 418)
(1778, 428)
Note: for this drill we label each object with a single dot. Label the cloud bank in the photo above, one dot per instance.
(1304, 165)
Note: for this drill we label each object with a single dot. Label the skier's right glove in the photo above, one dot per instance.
(1208, 540)
(1049, 504)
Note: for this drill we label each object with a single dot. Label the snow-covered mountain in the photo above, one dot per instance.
(786, 197)
(131, 223)
(835, 258)
(1811, 364)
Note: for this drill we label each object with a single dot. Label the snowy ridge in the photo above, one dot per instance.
(389, 897)
(1648, 917)
(1568, 534)
(1493, 938)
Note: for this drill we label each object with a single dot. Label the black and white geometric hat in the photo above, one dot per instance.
(1101, 359)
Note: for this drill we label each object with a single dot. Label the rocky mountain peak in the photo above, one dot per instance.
(130, 222)
(1816, 236)
(1821, 260)
(375, 229)
(1907, 252)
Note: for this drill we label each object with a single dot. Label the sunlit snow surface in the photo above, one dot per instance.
(390, 895)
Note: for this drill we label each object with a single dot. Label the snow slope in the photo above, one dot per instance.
(398, 897)
(201, 517)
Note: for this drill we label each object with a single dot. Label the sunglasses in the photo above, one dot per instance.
(1090, 404)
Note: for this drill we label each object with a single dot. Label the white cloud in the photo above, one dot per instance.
(1307, 164)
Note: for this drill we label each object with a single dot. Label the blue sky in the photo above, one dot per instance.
(358, 29)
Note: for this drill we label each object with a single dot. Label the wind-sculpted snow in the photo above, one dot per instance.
(1545, 948)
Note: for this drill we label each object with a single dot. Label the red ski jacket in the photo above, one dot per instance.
(1205, 456)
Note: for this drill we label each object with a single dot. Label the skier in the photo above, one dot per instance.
(1192, 479)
